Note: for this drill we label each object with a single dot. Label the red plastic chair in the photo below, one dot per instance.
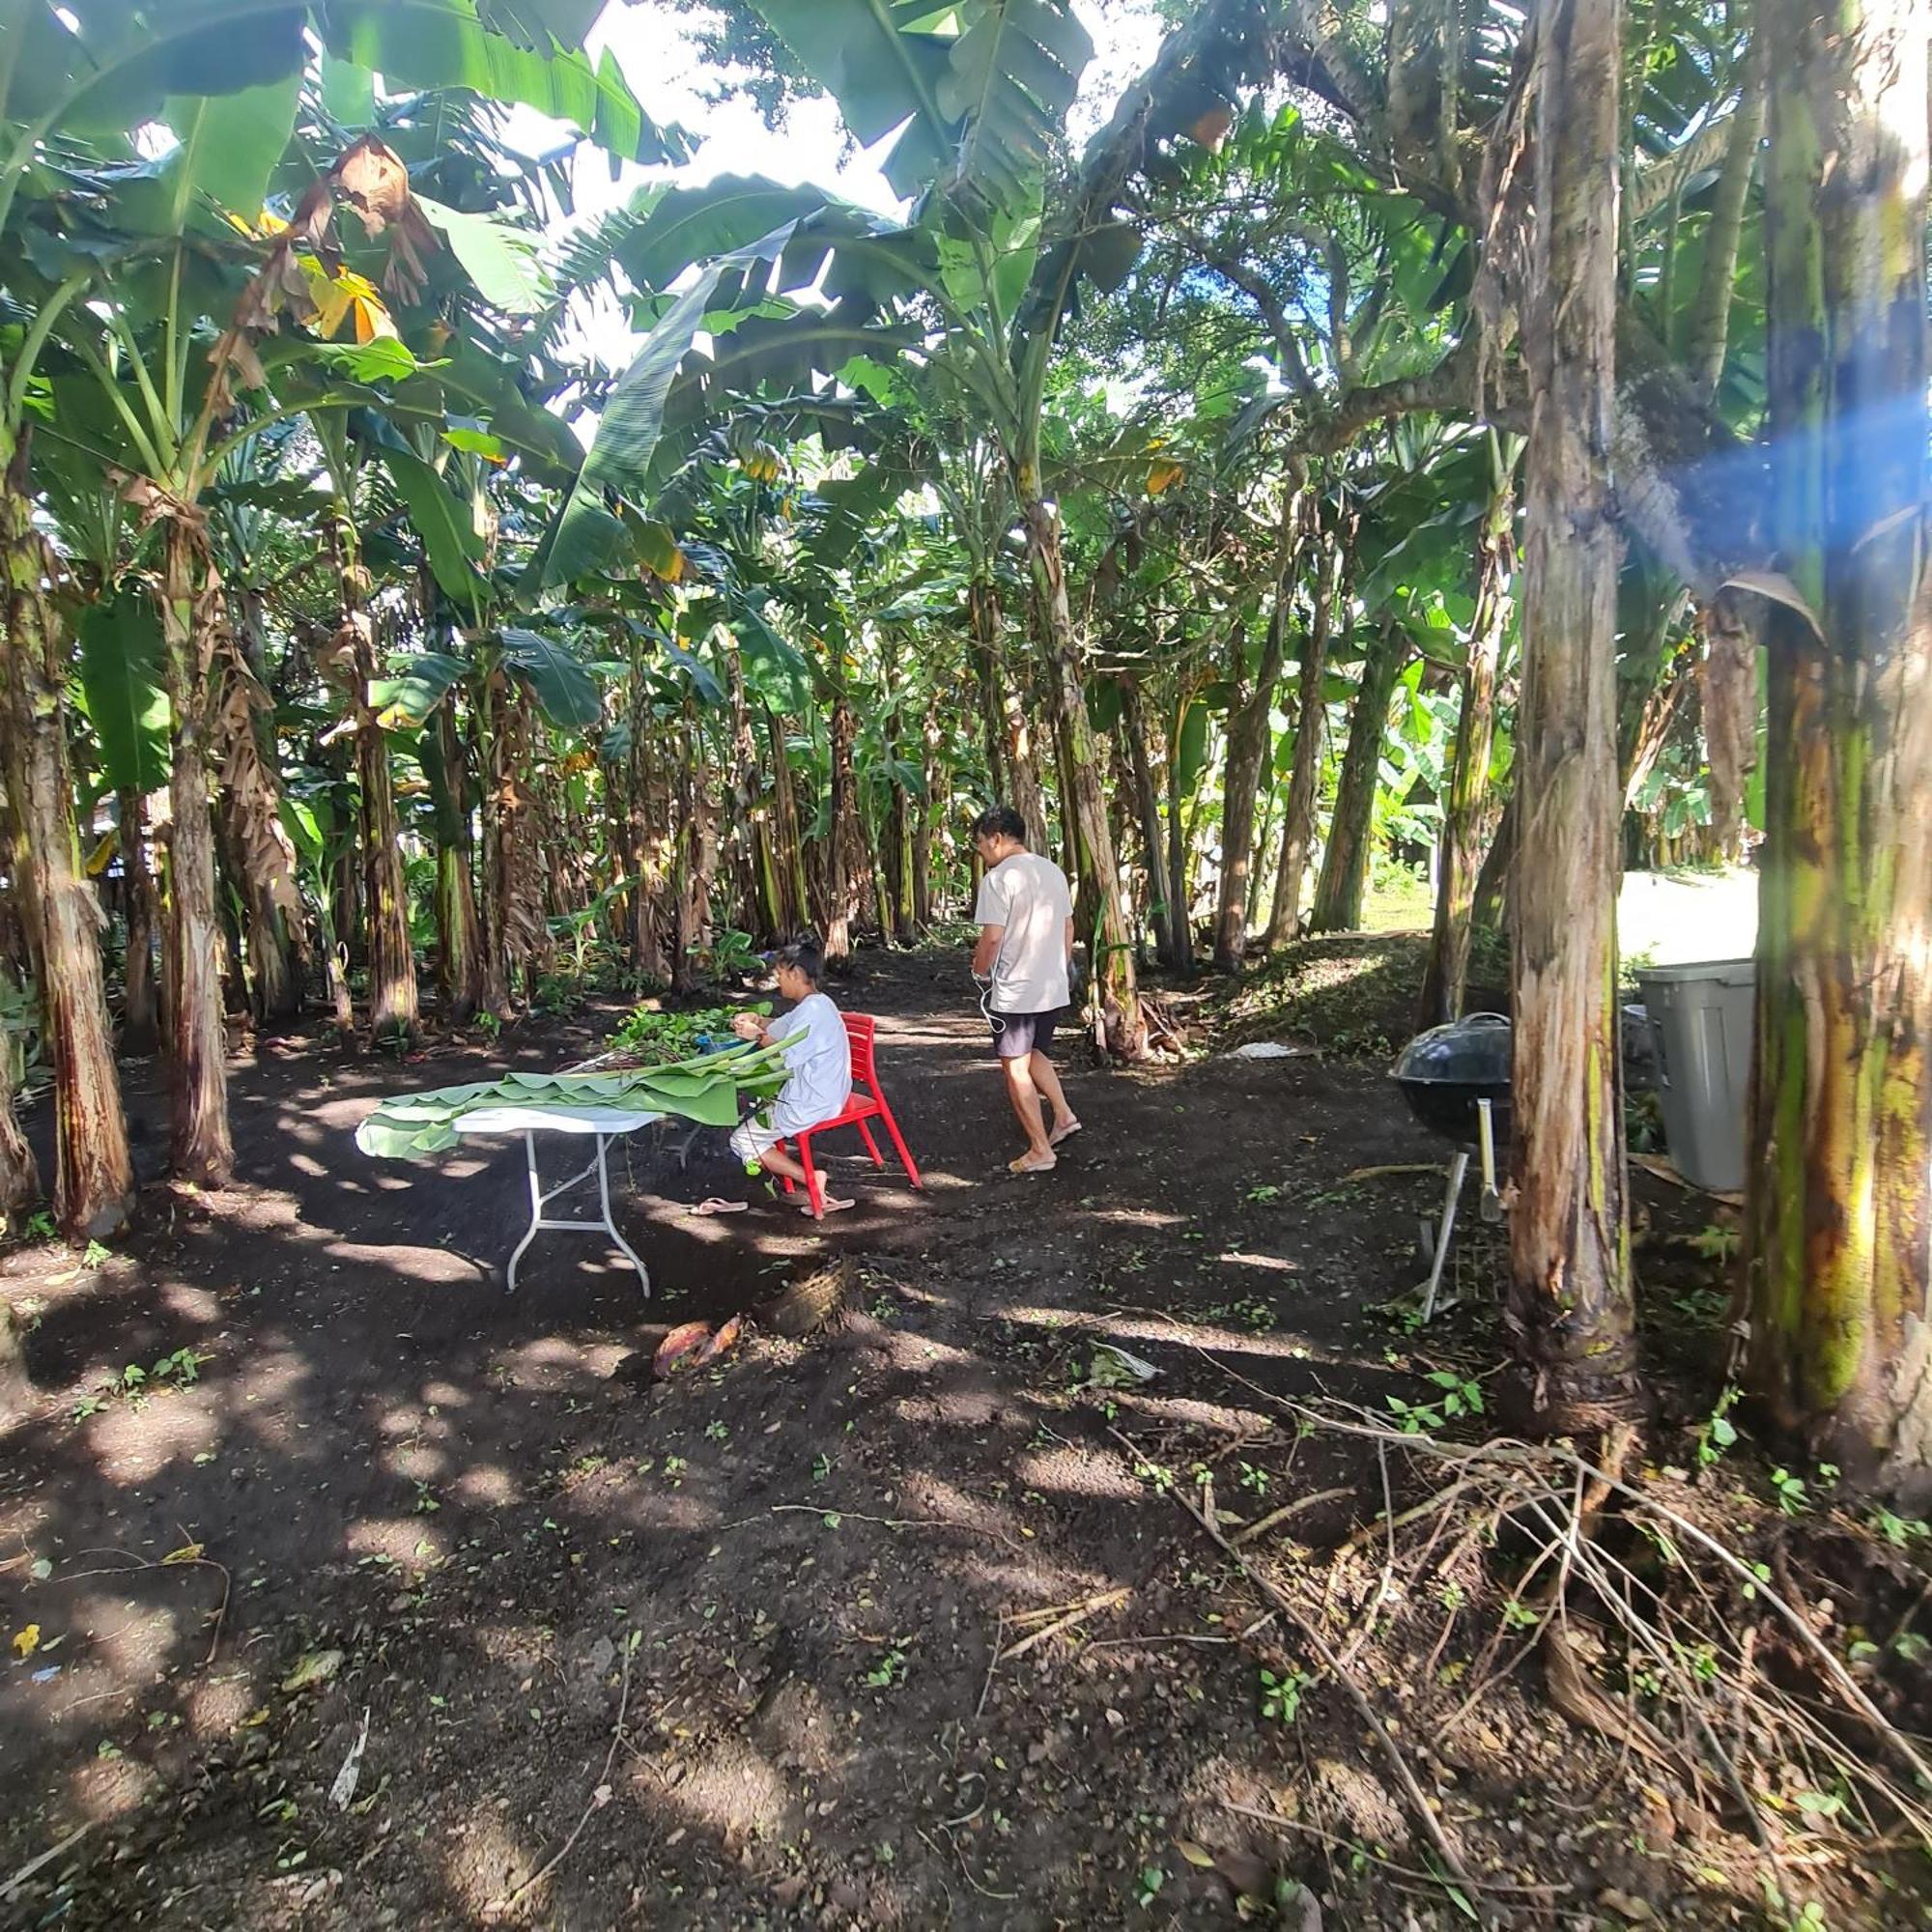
(867, 1102)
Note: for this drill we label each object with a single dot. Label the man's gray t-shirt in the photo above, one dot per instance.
(1028, 895)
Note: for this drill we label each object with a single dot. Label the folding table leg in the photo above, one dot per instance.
(1457, 1168)
(536, 1211)
(603, 1194)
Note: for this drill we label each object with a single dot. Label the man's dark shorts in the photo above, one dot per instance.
(1017, 1035)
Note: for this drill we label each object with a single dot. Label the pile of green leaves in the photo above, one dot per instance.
(649, 1037)
(707, 1089)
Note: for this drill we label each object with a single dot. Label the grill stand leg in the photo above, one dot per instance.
(1459, 1167)
(540, 1221)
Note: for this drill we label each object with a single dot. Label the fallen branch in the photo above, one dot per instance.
(1107, 1601)
(1288, 1511)
(1418, 1800)
(599, 1795)
(1357, 1849)
(46, 1858)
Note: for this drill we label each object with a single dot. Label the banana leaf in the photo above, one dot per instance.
(709, 1090)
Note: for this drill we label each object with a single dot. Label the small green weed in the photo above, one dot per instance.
(891, 1669)
(1281, 1695)
(1719, 1432)
(1460, 1396)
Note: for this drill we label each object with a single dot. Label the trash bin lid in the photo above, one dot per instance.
(1718, 972)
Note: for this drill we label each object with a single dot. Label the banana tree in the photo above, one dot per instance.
(1836, 1250)
(983, 272)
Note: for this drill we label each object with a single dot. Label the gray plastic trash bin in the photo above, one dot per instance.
(1701, 1017)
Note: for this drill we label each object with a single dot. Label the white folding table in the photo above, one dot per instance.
(607, 1123)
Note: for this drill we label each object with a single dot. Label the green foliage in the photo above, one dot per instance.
(707, 1089)
(655, 1036)
(121, 682)
(1281, 1695)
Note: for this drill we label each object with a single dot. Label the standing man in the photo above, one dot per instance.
(1026, 948)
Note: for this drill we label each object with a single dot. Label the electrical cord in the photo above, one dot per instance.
(984, 983)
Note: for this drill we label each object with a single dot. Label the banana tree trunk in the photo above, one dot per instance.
(1147, 813)
(696, 861)
(846, 859)
(1343, 883)
(982, 611)
(202, 1150)
(1311, 723)
(928, 811)
(1248, 741)
(1013, 746)
(1447, 971)
(1570, 1307)
(1180, 895)
(650, 908)
(1836, 1251)
(787, 837)
(261, 859)
(140, 1010)
(1727, 694)
(459, 929)
(94, 1182)
(19, 1174)
(393, 1012)
(1113, 979)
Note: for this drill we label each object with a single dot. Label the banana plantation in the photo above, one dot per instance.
(543, 536)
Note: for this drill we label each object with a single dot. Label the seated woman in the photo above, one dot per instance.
(819, 1056)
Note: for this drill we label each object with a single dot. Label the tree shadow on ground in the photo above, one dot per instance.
(723, 1650)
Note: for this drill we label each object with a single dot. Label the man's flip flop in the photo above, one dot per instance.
(1027, 1164)
(1064, 1133)
(717, 1205)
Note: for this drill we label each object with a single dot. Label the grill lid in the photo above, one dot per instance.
(1473, 1051)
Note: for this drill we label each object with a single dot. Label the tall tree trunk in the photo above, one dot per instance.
(459, 931)
(696, 859)
(1248, 739)
(787, 832)
(140, 1011)
(1179, 894)
(19, 1174)
(1085, 809)
(933, 769)
(1447, 972)
(846, 858)
(93, 1177)
(201, 1149)
(650, 908)
(94, 1182)
(1842, 1120)
(1491, 910)
(393, 1012)
(1570, 1309)
(1344, 879)
(1727, 694)
(1311, 722)
(1708, 329)
(261, 859)
(1650, 690)
(1086, 887)
(983, 613)
(1147, 811)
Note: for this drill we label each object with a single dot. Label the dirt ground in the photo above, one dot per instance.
(902, 1624)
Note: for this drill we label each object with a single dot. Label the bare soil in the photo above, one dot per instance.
(901, 1624)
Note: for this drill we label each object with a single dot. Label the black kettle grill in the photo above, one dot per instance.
(1446, 1071)
(1455, 1079)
